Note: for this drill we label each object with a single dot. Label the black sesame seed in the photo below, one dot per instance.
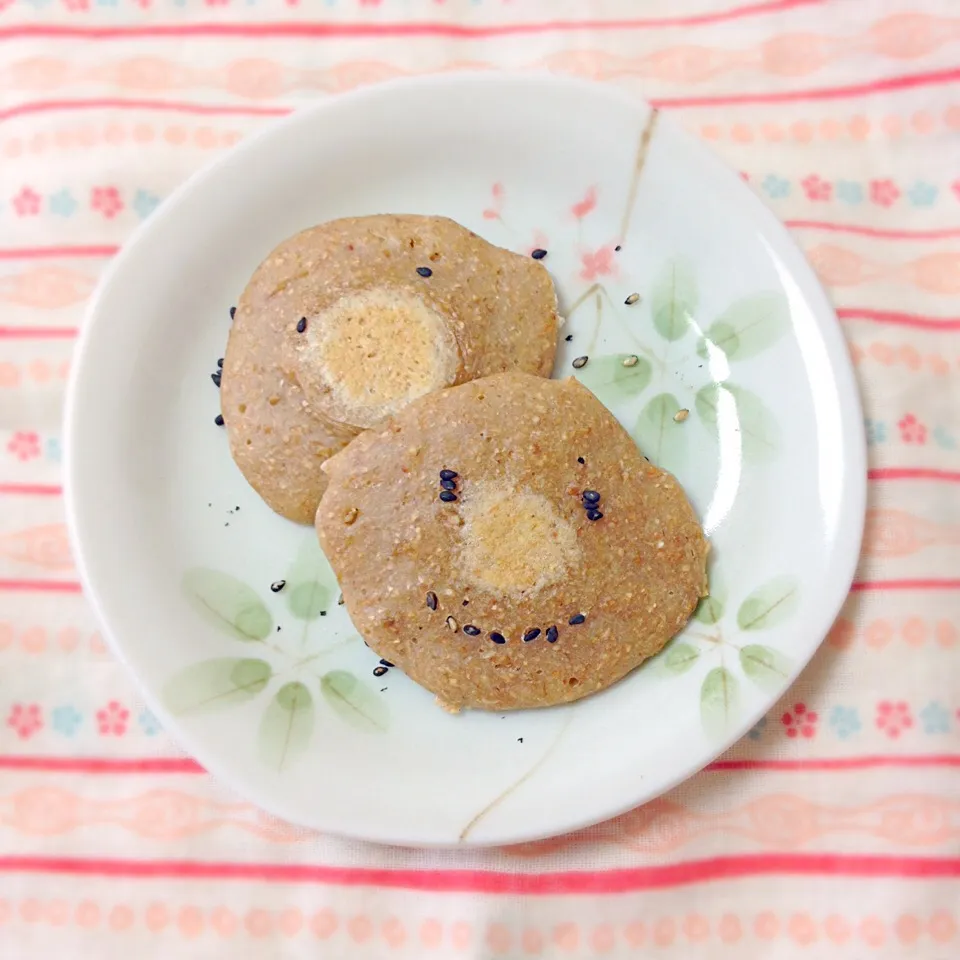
(594, 515)
(617, 248)
(580, 362)
(531, 635)
(323, 613)
(301, 324)
(379, 671)
(498, 637)
(591, 496)
(215, 377)
(432, 600)
(425, 271)
(220, 362)
(568, 337)
(581, 460)
(448, 474)
(448, 484)
(539, 253)
(233, 312)
(471, 631)
(447, 497)
(278, 585)
(552, 634)
(218, 419)
(576, 619)
(386, 663)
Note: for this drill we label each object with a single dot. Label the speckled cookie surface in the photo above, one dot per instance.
(345, 323)
(507, 594)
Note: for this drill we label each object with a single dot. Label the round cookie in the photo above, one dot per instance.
(345, 323)
(555, 562)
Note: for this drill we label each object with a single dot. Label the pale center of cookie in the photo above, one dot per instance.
(514, 541)
(380, 349)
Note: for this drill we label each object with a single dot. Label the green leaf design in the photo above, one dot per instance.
(749, 326)
(658, 435)
(726, 406)
(719, 699)
(709, 609)
(610, 381)
(674, 299)
(287, 726)
(354, 701)
(769, 605)
(227, 603)
(310, 581)
(767, 668)
(680, 657)
(212, 684)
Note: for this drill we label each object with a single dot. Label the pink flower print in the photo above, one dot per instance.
(112, 719)
(912, 430)
(815, 188)
(216, 3)
(106, 200)
(598, 264)
(369, 3)
(800, 722)
(955, 187)
(496, 204)
(582, 207)
(26, 203)
(884, 192)
(26, 719)
(893, 718)
(77, 5)
(540, 242)
(24, 445)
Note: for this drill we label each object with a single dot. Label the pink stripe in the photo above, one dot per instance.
(31, 489)
(491, 882)
(930, 78)
(427, 29)
(898, 319)
(55, 253)
(39, 586)
(37, 333)
(839, 763)
(914, 473)
(921, 584)
(102, 764)
(878, 232)
(177, 765)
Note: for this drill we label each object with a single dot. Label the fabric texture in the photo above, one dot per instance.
(832, 830)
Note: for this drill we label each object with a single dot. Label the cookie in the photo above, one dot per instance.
(506, 544)
(344, 324)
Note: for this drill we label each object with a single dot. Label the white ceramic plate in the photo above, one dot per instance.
(178, 554)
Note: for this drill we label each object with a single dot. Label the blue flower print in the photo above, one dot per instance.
(935, 718)
(776, 187)
(66, 720)
(876, 431)
(149, 723)
(52, 448)
(845, 721)
(145, 203)
(922, 194)
(62, 204)
(849, 192)
(944, 438)
(756, 731)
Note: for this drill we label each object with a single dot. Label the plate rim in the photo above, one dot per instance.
(854, 485)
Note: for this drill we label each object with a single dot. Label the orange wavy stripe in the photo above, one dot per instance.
(86, 136)
(38, 639)
(775, 821)
(891, 355)
(907, 36)
(46, 546)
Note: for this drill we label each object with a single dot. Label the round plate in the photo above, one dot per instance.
(741, 387)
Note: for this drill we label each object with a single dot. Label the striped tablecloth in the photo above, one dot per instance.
(832, 830)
